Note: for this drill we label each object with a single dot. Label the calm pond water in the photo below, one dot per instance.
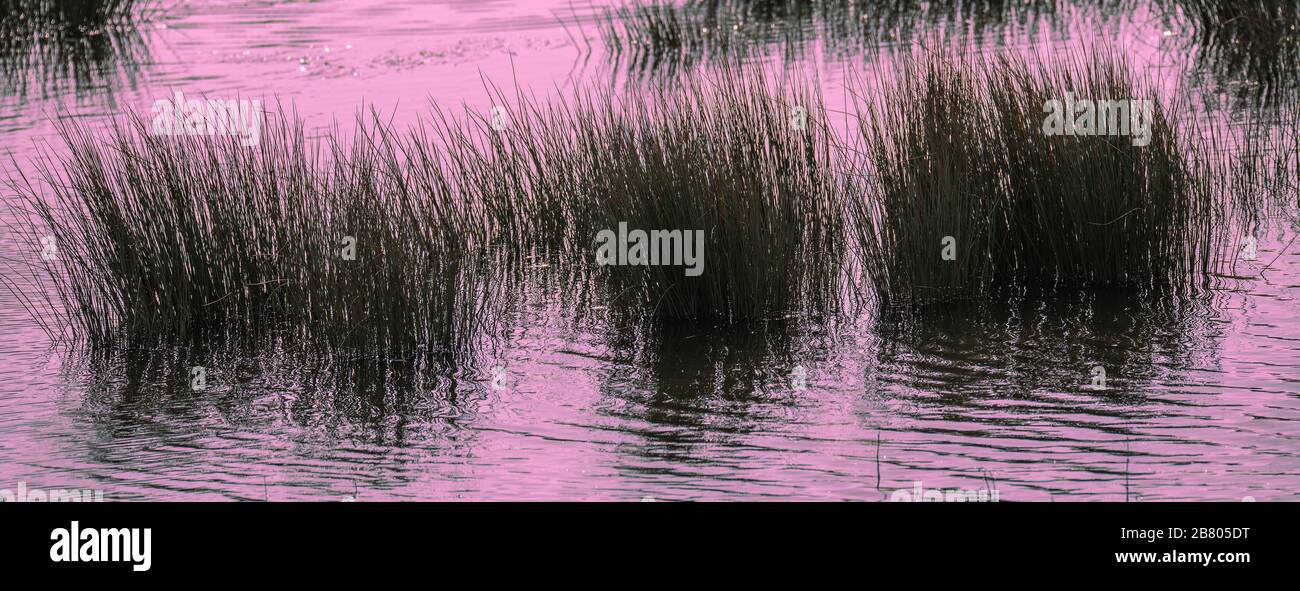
(1202, 402)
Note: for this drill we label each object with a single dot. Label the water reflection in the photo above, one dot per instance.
(992, 395)
(1034, 341)
(678, 365)
(1249, 49)
(1009, 387)
(664, 39)
(1200, 400)
(346, 425)
(48, 48)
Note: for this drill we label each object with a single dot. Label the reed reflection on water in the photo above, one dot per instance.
(978, 392)
(49, 47)
(559, 392)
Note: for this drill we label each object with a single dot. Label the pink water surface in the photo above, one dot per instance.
(1202, 402)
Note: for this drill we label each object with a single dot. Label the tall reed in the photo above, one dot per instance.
(956, 148)
(159, 236)
(743, 157)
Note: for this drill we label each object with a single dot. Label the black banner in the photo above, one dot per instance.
(327, 540)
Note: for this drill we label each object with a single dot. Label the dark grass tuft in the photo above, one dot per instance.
(165, 237)
(955, 147)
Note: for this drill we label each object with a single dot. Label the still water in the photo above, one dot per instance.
(1201, 401)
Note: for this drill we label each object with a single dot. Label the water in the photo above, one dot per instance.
(1201, 400)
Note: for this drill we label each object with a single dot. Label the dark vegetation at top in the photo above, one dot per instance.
(49, 46)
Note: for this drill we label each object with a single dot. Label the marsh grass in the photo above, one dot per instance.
(720, 154)
(955, 147)
(182, 237)
(170, 237)
(1250, 166)
(765, 194)
(162, 237)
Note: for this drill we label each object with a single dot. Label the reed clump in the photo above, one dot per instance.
(395, 242)
(746, 160)
(959, 153)
(390, 242)
(150, 236)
